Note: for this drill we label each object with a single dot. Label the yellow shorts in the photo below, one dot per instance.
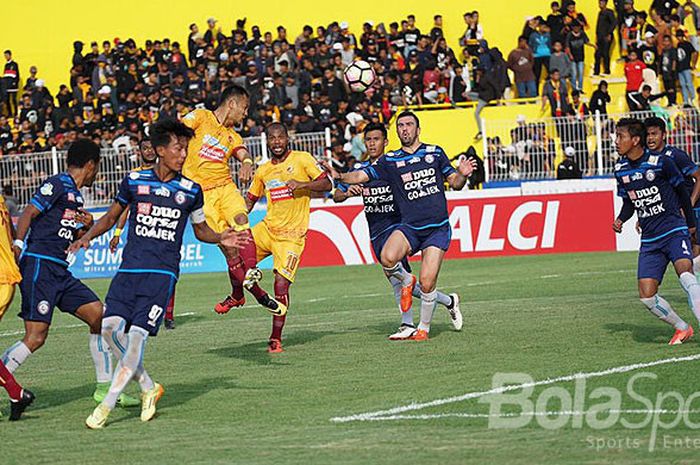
(286, 253)
(221, 205)
(7, 292)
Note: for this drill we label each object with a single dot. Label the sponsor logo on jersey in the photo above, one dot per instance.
(280, 193)
(68, 214)
(431, 148)
(71, 197)
(144, 208)
(79, 199)
(43, 307)
(143, 190)
(162, 191)
(625, 179)
(650, 175)
(212, 149)
(406, 177)
(46, 189)
(134, 175)
(180, 197)
(400, 164)
(186, 184)
(653, 160)
(413, 160)
(636, 176)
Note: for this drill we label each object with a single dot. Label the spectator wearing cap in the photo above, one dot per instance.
(521, 62)
(604, 29)
(687, 59)
(213, 35)
(568, 168)
(648, 52)
(600, 99)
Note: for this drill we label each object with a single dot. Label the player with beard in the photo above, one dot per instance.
(417, 174)
(383, 218)
(287, 181)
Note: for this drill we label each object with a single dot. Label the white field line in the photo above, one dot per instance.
(371, 416)
(536, 414)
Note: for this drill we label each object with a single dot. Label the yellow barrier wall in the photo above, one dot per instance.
(41, 32)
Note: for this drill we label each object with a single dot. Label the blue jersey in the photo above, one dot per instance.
(58, 199)
(684, 163)
(158, 213)
(380, 209)
(418, 183)
(650, 183)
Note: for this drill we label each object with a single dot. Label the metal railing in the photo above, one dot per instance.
(25, 172)
(532, 149)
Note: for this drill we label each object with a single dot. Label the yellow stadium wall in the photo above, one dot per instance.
(41, 32)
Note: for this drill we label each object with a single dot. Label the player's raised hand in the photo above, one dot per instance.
(113, 244)
(81, 243)
(234, 239)
(617, 225)
(466, 166)
(355, 190)
(329, 168)
(245, 173)
(85, 218)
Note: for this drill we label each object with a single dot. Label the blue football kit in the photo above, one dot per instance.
(418, 184)
(650, 184)
(158, 213)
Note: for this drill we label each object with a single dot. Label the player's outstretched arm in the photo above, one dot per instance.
(458, 179)
(229, 238)
(114, 242)
(340, 196)
(320, 184)
(355, 177)
(102, 225)
(23, 224)
(626, 213)
(245, 172)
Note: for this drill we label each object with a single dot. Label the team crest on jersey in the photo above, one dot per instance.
(162, 191)
(143, 190)
(290, 169)
(180, 198)
(400, 164)
(429, 158)
(650, 175)
(43, 307)
(134, 175)
(46, 189)
(144, 208)
(71, 197)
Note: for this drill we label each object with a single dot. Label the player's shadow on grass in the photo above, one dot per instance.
(48, 398)
(186, 320)
(646, 334)
(256, 352)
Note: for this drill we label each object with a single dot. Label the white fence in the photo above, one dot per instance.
(25, 172)
(532, 149)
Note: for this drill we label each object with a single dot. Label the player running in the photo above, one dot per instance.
(56, 217)
(214, 143)
(287, 181)
(383, 218)
(160, 201)
(656, 142)
(652, 186)
(20, 398)
(417, 173)
(148, 160)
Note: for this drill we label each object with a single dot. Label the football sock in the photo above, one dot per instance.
(427, 307)
(128, 365)
(8, 381)
(236, 274)
(101, 357)
(15, 356)
(692, 288)
(282, 296)
(406, 317)
(442, 298)
(249, 255)
(658, 306)
(399, 272)
(113, 332)
(696, 265)
(170, 309)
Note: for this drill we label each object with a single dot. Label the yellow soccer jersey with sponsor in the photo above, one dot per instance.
(209, 151)
(287, 211)
(9, 272)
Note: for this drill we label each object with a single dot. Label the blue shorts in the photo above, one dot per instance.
(655, 256)
(421, 239)
(378, 244)
(140, 298)
(47, 284)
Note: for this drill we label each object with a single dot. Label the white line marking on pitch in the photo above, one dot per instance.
(536, 414)
(370, 416)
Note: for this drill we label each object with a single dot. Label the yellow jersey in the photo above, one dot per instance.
(287, 211)
(209, 151)
(9, 271)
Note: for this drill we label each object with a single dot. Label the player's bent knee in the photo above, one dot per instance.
(241, 222)
(34, 341)
(427, 285)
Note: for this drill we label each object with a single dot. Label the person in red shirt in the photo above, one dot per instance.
(633, 72)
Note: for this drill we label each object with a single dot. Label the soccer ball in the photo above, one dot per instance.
(359, 75)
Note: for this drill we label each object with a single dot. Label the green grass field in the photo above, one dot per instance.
(228, 401)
